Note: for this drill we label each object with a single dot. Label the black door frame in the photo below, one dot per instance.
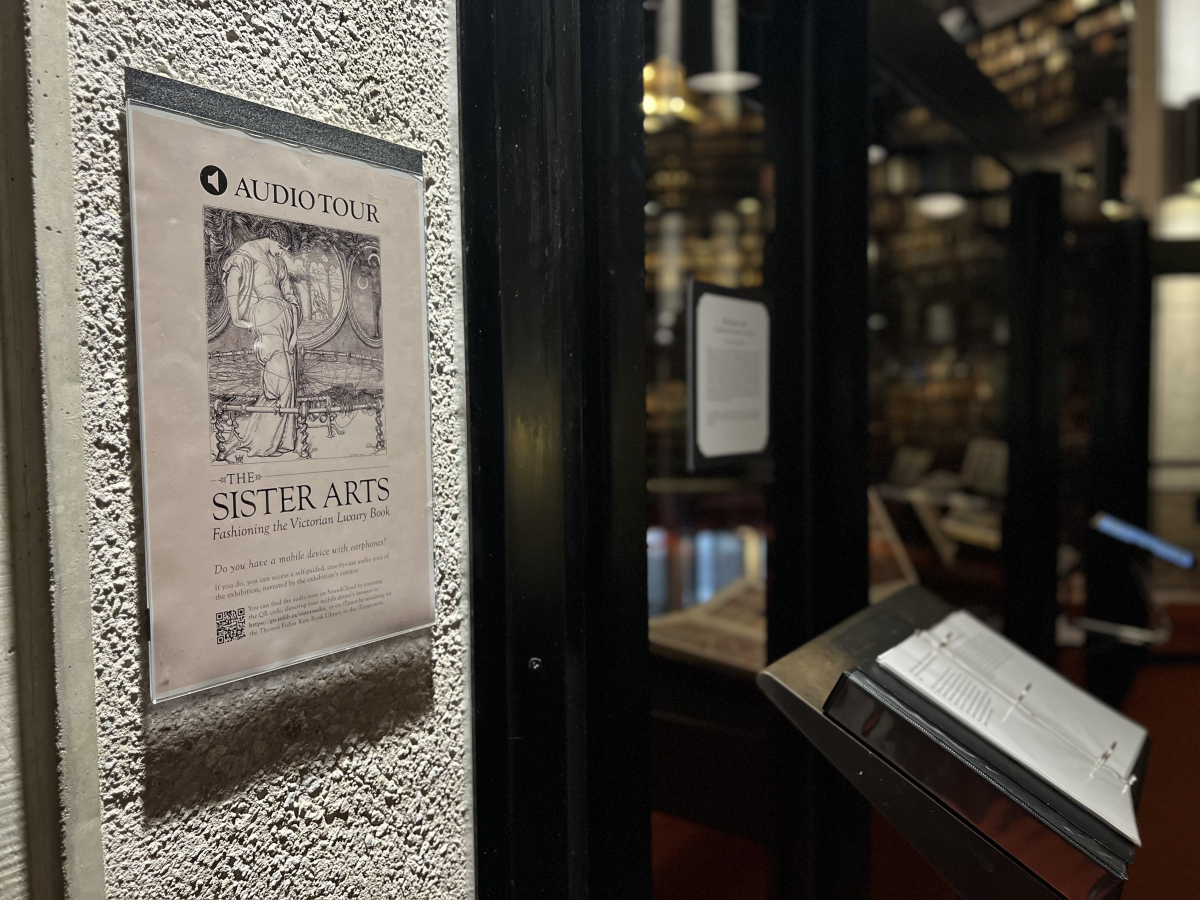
(1029, 549)
(817, 270)
(553, 190)
(552, 175)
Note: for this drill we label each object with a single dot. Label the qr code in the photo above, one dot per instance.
(231, 625)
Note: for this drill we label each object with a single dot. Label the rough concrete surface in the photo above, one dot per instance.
(342, 778)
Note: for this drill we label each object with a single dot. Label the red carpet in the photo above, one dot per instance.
(1166, 699)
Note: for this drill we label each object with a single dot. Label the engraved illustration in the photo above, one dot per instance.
(295, 358)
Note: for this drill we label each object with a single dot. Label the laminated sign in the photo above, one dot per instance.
(283, 376)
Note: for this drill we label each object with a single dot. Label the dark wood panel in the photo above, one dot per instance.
(711, 743)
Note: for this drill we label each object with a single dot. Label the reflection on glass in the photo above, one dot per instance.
(707, 215)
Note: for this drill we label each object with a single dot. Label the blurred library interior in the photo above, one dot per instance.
(1032, 331)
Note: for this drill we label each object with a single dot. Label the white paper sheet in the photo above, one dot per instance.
(733, 376)
(1070, 739)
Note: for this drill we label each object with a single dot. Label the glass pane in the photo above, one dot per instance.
(708, 211)
(939, 330)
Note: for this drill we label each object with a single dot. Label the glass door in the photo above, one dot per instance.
(748, 200)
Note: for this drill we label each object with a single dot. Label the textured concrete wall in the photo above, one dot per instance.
(342, 778)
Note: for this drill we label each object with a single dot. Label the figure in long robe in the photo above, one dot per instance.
(325, 280)
(262, 299)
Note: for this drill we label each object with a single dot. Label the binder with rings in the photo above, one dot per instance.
(992, 827)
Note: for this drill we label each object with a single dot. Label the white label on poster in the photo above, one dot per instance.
(732, 376)
(284, 400)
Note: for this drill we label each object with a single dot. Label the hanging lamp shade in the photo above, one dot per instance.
(715, 50)
(665, 96)
(945, 179)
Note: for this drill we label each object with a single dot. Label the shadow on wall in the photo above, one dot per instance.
(208, 745)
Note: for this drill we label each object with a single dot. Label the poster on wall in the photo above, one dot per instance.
(283, 385)
(729, 377)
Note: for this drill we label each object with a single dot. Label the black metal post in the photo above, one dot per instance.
(612, 444)
(817, 272)
(552, 198)
(1119, 453)
(1031, 527)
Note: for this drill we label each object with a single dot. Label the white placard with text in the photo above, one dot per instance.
(732, 372)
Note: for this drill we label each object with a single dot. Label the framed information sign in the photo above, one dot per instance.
(283, 381)
(729, 376)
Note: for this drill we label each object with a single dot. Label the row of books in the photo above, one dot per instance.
(687, 568)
